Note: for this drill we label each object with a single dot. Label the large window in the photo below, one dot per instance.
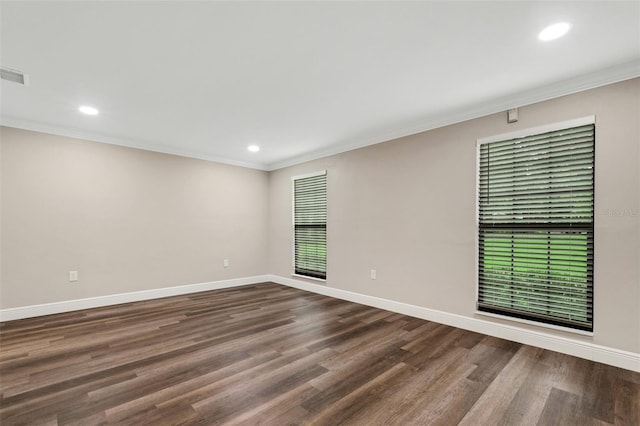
(310, 225)
(536, 203)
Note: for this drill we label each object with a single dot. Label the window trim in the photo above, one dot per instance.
(308, 175)
(293, 224)
(582, 121)
(534, 323)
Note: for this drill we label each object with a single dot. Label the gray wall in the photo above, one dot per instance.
(125, 219)
(407, 208)
(131, 220)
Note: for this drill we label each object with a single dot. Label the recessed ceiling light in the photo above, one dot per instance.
(88, 110)
(253, 148)
(554, 31)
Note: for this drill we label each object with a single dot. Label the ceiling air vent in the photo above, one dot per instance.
(13, 75)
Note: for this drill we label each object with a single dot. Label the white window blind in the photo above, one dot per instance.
(536, 213)
(310, 225)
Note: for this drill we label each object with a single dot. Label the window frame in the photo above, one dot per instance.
(583, 121)
(293, 224)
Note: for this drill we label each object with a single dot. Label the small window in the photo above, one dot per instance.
(310, 225)
(535, 233)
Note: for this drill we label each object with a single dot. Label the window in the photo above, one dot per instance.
(310, 225)
(535, 234)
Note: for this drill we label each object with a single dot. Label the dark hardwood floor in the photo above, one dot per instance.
(273, 355)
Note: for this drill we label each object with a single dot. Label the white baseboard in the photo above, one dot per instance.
(581, 349)
(541, 339)
(115, 299)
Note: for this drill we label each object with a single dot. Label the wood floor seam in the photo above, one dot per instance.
(266, 354)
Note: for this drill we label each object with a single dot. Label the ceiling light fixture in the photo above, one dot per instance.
(88, 110)
(253, 148)
(554, 31)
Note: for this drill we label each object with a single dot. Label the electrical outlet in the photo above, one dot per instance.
(73, 276)
(374, 275)
(225, 263)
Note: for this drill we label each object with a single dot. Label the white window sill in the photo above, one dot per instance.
(535, 323)
(323, 280)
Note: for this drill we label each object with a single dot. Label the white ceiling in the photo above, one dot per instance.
(300, 79)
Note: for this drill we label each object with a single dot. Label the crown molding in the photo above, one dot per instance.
(35, 126)
(603, 77)
(611, 75)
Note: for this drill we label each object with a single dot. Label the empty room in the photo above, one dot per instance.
(320, 213)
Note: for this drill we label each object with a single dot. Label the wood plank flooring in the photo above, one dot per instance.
(273, 355)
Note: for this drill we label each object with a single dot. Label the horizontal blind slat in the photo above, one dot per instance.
(310, 221)
(530, 189)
